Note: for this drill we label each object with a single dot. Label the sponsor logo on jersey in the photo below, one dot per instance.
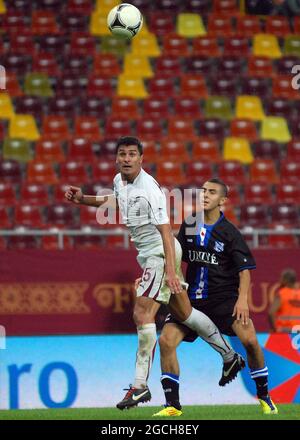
(202, 257)
(219, 246)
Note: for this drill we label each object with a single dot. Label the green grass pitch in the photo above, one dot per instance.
(205, 412)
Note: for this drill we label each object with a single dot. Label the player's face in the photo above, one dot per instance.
(212, 196)
(129, 161)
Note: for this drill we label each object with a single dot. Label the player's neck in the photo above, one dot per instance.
(211, 217)
(129, 178)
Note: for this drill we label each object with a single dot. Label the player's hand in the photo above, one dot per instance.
(241, 311)
(74, 194)
(173, 282)
(137, 283)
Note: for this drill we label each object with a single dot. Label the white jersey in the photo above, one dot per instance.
(143, 206)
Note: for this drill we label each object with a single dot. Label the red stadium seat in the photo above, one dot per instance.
(170, 174)
(175, 45)
(282, 240)
(108, 148)
(77, 64)
(181, 128)
(22, 43)
(199, 64)
(62, 216)
(255, 86)
(106, 65)
(82, 43)
(125, 108)
(80, 150)
(232, 172)
(10, 171)
(267, 149)
(73, 173)
(117, 127)
(82, 7)
(15, 22)
(71, 84)
(54, 43)
(212, 127)
(254, 215)
(21, 242)
(243, 128)
(206, 148)
(88, 242)
(199, 171)
(156, 108)
(73, 22)
(248, 25)
(172, 150)
(277, 25)
(226, 7)
(92, 106)
(151, 155)
(148, 128)
(261, 67)
(55, 127)
(45, 62)
(282, 87)
(87, 127)
(258, 193)
(31, 105)
(8, 196)
(12, 85)
(43, 23)
(206, 46)
(28, 216)
(17, 63)
(168, 65)
(41, 172)
(293, 149)
(88, 217)
(285, 213)
(48, 150)
(99, 86)
(193, 86)
(235, 46)
(34, 194)
(61, 105)
(161, 87)
(51, 242)
(288, 193)
(290, 171)
(279, 107)
(104, 171)
(161, 23)
(285, 64)
(219, 26)
(263, 170)
(224, 86)
(187, 107)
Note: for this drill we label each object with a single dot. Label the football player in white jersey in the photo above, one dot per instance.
(143, 207)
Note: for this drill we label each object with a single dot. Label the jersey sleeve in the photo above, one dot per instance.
(158, 207)
(241, 254)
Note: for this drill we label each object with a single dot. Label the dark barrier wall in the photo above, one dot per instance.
(65, 292)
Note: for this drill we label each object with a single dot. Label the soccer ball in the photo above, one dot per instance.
(125, 20)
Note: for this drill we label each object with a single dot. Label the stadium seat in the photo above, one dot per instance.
(170, 174)
(235, 46)
(293, 149)
(31, 105)
(104, 171)
(282, 88)
(181, 128)
(146, 45)
(260, 67)
(5, 220)
(255, 86)
(34, 194)
(231, 65)
(41, 172)
(254, 215)
(14, 22)
(277, 25)
(285, 213)
(83, 7)
(137, 66)
(10, 171)
(55, 127)
(17, 63)
(12, 85)
(72, 22)
(275, 128)
(22, 242)
(80, 150)
(224, 86)
(38, 84)
(28, 216)
(17, 149)
(237, 149)
(186, 107)
(266, 45)
(161, 23)
(248, 25)
(232, 172)
(6, 106)
(51, 242)
(176, 46)
(199, 171)
(43, 22)
(156, 108)
(264, 171)
(199, 64)
(62, 216)
(53, 43)
(151, 155)
(292, 45)
(285, 64)
(206, 148)
(249, 107)
(161, 86)
(281, 240)
(168, 66)
(87, 127)
(131, 87)
(106, 65)
(290, 171)
(113, 45)
(61, 105)
(243, 128)
(75, 64)
(71, 84)
(193, 86)
(259, 193)
(73, 172)
(48, 150)
(279, 107)
(88, 217)
(172, 150)
(190, 25)
(23, 126)
(8, 196)
(22, 43)
(288, 193)
(265, 149)
(93, 106)
(219, 26)
(125, 108)
(218, 107)
(172, 6)
(206, 46)
(117, 127)
(82, 43)
(148, 128)
(100, 86)
(212, 127)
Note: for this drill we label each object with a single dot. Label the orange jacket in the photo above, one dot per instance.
(288, 314)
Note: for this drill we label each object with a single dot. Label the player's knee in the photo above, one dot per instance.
(251, 342)
(166, 343)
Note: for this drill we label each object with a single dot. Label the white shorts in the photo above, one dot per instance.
(153, 283)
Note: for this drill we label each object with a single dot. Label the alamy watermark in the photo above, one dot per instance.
(296, 337)
(2, 338)
(296, 78)
(2, 78)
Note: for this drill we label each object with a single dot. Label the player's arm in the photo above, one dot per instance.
(241, 308)
(272, 312)
(75, 195)
(169, 250)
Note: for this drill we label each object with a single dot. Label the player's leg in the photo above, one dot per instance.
(171, 336)
(256, 362)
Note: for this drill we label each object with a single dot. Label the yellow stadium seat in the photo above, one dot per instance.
(38, 84)
(145, 44)
(249, 107)
(104, 6)
(2, 7)
(266, 45)
(6, 107)
(218, 107)
(24, 127)
(98, 24)
(17, 149)
(275, 128)
(137, 66)
(236, 148)
(131, 87)
(190, 25)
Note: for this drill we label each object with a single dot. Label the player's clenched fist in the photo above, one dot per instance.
(74, 194)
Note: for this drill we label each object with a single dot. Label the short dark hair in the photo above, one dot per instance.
(129, 140)
(221, 183)
(288, 278)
